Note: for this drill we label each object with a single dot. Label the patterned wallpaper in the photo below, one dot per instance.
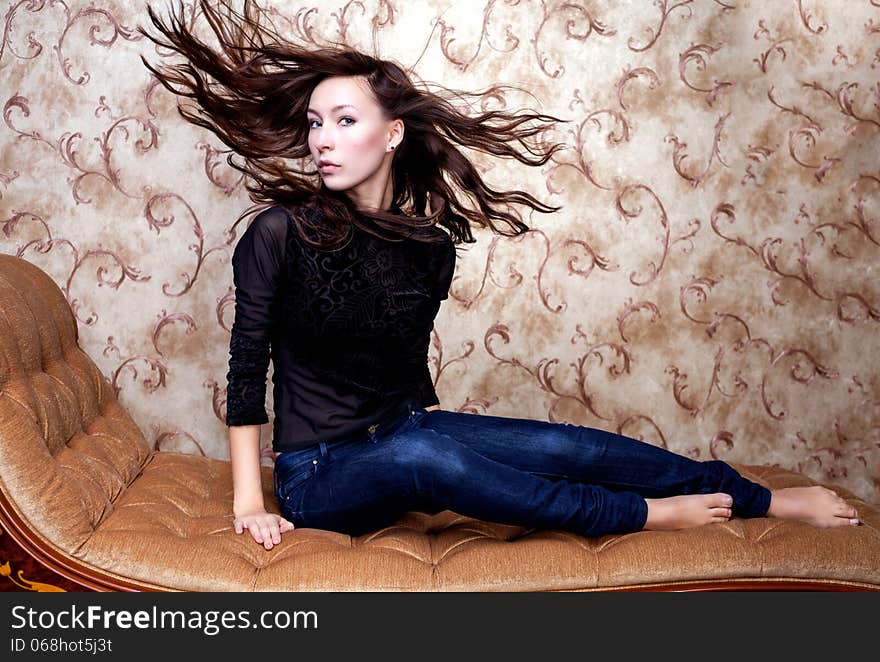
(707, 286)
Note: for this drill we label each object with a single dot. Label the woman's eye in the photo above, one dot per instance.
(312, 122)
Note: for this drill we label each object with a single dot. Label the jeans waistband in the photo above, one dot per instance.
(385, 424)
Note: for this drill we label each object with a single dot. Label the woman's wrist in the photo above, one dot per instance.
(247, 507)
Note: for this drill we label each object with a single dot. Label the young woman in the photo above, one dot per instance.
(338, 280)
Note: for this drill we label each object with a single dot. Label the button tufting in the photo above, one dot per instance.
(314, 462)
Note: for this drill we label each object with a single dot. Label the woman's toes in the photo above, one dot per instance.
(721, 499)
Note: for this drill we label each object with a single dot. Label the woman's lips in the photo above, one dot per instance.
(328, 168)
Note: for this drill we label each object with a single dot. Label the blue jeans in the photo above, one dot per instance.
(516, 471)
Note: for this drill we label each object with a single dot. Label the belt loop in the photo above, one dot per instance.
(323, 448)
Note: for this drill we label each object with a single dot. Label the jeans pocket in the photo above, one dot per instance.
(417, 413)
(291, 478)
(409, 420)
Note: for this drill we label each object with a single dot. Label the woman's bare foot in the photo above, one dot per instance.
(687, 510)
(816, 505)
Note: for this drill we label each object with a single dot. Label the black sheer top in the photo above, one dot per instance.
(347, 329)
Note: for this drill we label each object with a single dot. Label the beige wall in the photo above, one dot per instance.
(707, 287)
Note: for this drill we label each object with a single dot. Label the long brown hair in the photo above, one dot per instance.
(253, 95)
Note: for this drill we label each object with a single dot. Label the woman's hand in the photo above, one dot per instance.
(266, 528)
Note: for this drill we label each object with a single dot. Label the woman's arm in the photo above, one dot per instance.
(432, 407)
(248, 506)
(257, 263)
(244, 450)
(245, 414)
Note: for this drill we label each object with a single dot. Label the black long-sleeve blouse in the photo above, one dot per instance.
(347, 330)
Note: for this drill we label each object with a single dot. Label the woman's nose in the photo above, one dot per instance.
(325, 139)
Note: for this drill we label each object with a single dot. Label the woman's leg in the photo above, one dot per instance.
(359, 487)
(562, 450)
(597, 457)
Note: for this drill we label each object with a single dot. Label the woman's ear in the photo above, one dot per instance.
(395, 134)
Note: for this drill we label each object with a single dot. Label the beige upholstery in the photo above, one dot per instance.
(80, 479)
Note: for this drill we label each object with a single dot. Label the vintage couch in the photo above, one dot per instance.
(82, 491)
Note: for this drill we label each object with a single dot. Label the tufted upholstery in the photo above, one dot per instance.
(81, 485)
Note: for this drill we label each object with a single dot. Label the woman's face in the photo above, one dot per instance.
(347, 128)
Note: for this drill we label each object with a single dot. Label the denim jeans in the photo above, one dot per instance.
(516, 471)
